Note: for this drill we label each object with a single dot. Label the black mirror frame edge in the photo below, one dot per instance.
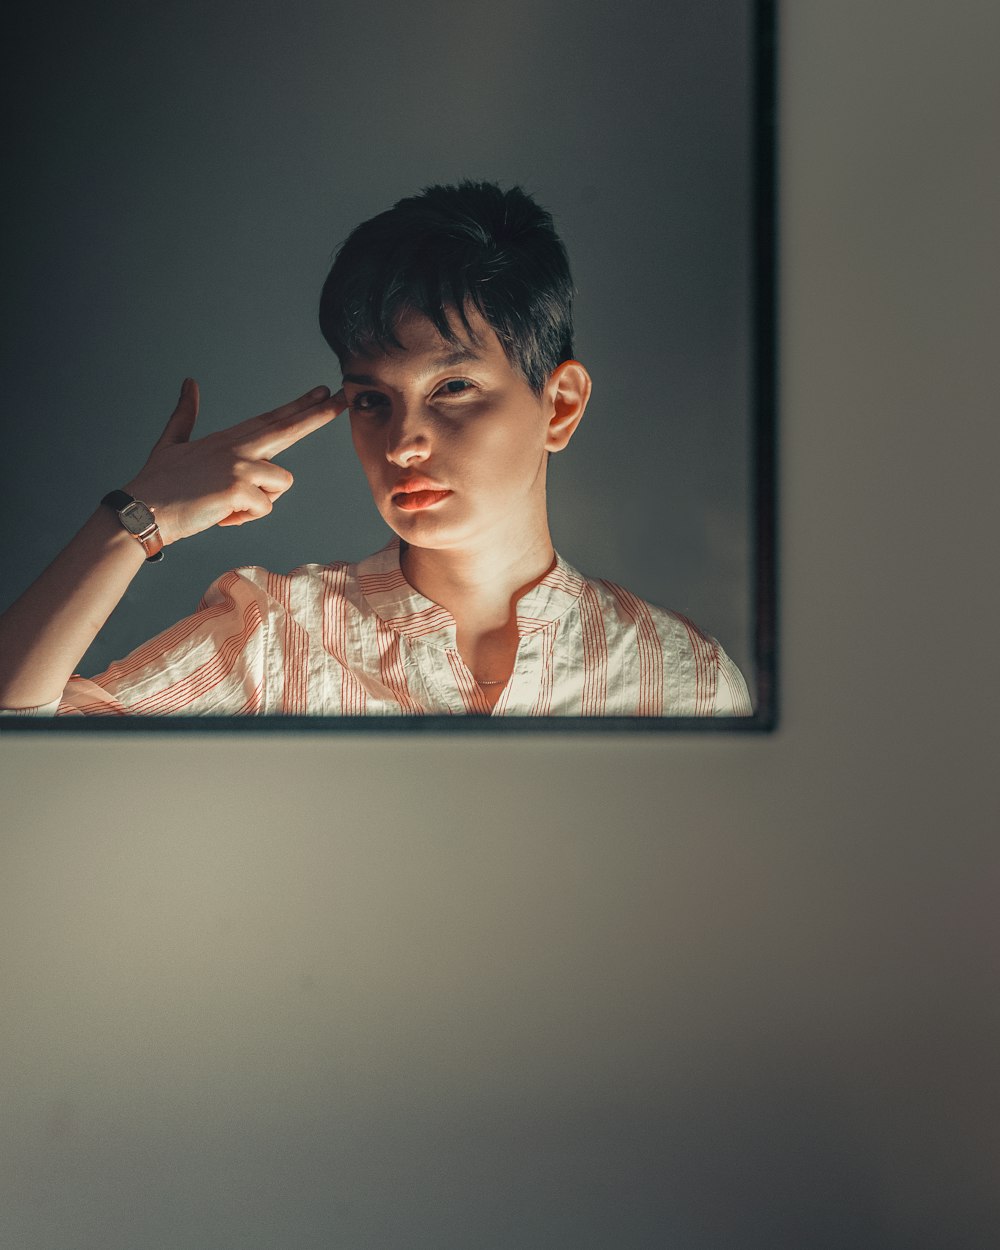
(764, 466)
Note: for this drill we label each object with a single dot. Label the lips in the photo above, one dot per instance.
(410, 485)
(413, 493)
(412, 501)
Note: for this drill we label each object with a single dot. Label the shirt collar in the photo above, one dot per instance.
(405, 610)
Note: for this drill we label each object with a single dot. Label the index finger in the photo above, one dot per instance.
(267, 435)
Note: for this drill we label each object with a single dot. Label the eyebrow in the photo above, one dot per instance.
(362, 379)
(457, 356)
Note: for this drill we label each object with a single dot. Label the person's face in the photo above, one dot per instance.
(452, 439)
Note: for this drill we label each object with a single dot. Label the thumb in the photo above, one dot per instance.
(181, 423)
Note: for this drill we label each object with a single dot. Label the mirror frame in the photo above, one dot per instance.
(762, 220)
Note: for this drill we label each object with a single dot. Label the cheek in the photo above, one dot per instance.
(356, 433)
(363, 438)
(512, 449)
(500, 440)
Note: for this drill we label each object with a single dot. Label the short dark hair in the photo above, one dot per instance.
(469, 246)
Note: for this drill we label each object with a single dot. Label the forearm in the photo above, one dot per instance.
(46, 632)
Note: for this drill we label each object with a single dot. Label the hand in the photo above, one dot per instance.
(226, 478)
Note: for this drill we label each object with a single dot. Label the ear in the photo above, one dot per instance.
(567, 390)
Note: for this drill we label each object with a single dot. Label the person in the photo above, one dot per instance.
(451, 317)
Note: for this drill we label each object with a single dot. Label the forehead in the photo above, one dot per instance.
(423, 349)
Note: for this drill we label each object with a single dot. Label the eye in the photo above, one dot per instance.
(455, 386)
(367, 401)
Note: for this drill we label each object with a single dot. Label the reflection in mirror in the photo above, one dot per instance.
(500, 504)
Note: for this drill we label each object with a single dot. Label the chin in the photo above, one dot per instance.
(423, 529)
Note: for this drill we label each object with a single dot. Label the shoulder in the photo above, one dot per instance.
(253, 582)
(676, 633)
(620, 604)
(705, 678)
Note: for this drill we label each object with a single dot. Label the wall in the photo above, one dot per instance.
(684, 992)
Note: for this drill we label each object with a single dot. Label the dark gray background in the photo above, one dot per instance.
(184, 172)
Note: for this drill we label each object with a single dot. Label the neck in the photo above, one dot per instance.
(480, 587)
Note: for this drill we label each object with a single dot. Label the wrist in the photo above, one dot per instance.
(138, 520)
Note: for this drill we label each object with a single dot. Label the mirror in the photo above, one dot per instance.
(184, 175)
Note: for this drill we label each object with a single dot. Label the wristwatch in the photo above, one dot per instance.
(138, 519)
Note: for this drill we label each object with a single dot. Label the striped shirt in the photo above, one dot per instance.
(357, 640)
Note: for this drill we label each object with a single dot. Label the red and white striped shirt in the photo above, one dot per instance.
(357, 640)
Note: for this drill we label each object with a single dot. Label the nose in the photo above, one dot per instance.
(407, 437)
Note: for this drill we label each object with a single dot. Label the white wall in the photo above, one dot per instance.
(683, 992)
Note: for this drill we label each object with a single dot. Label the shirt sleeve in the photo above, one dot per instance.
(209, 664)
(43, 709)
(732, 698)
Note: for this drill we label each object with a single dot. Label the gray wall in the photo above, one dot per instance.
(685, 992)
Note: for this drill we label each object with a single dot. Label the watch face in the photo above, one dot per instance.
(137, 517)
